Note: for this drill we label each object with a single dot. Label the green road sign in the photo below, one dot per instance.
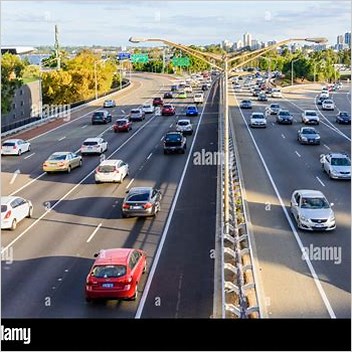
(143, 58)
(181, 61)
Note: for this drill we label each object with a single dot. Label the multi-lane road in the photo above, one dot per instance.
(274, 164)
(46, 259)
(51, 253)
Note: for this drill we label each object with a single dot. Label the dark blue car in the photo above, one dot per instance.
(343, 117)
(192, 110)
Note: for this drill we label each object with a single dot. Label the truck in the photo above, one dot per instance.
(198, 98)
(175, 142)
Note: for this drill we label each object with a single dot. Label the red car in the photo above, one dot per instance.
(122, 125)
(158, 102)
(168, 110)
(116, 274)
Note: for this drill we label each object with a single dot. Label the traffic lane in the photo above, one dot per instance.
(67, 137)
(56, 226)
(272, 234)
(338, 276)
(183, 284)
(48, 192)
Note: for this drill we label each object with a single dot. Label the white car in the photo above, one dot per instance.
(111, 171)
(184, 126)
(310, 117)
(336, 165)
(148, 108)
(324, 94)
(328, 104)
(237, 87)
(94, 146)
(188, 89)
(276, 93)
(312, 211)
(198, 98)
(15, 147)
(13, 210)
(109, 103)
(258, 119)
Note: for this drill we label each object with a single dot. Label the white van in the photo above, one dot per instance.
(198, 98)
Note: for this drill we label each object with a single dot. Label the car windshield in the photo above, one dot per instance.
(275, 106)
(167, 106)
(311, 113)
(173, 138)
(246, 102)
(8, 144)
(309, 131)
(106, 271)
(3, 208)
(106, 168)
(146, 106)
(258, 116)
(135, 111)
(344, 114)
(285, 113)
(191, 108)
(90, 143)
(121, 122)
(138, 197)
(315, 203)
(57, 157)
(340, 162)
(182, 123)
(98, 114)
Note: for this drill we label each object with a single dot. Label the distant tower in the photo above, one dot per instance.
(57, 48)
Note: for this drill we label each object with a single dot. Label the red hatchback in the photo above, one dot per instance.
(115, 274)
(122, 125)
(168, 110)
(158, 101)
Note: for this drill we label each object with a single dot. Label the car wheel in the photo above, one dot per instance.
(135, 295)
(124, 215)
(30, 212)
(329, 174)
(80, 163)
(145, 267)
(13, 225)
(97, 182)
(69, 169)
(29, 148)
(19, 152)
(88, 300)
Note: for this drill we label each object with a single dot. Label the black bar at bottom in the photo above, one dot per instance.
(178, 334)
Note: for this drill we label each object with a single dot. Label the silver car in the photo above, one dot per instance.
(141, 201)
(184, 126)
(312, 211)
(336, 165)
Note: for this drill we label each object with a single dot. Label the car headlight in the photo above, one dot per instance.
(332, 218)
(334, 172)
(304, 138)
(317, 137)
(303, 218)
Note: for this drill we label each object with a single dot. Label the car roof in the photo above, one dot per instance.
(310, 193)
(110, 162)
(140, 190)
(257, 113)
(124, 119)
(135, 110)
(308, 128)
(184, 120)
(14, 140)
(93, 139)
(100, 111)
(309, 111)
(8, 199)
(113, 256)
(339, 155)
(60, 153)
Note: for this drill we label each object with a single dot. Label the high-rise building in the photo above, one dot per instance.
(254, 44)
(247, 39)
(339, 39)
(348, 38)
(226, 44)
(237, 45)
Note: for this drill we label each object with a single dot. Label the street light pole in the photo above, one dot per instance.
(292, 70)
(95, 80)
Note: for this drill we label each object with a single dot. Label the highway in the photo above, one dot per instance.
(74, 217)
(274, 164)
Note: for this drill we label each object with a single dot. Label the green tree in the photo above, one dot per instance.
(11, 78)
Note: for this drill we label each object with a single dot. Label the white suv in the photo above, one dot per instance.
(310, 117)
(184, 126)
(94, 146)
(111, 171)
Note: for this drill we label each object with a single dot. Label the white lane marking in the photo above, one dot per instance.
(62, 138)
(148, 157)
(320, 181)
(171, 125)
(72, 189)
(283, 136)
(129, 184)
(161, 139)
(29, 156)
(94, 232)
(84, 126)
(293, 229)
(327, 147)
(14, 176)
(167, 225)
(298, 154)
(273, 124)
(27, 184)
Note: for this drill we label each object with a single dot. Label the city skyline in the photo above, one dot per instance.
(112, 23)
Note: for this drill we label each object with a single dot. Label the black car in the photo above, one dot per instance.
(262, 97)
(284, 117)
(168, 95)
(320, 100)
(174, 142)
(308, 135)
(204, 87)
(343, 117)
(101, 116)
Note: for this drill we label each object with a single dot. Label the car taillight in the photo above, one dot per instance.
(91, 281)
(61, 163)
(8, 214)
(126, 280)
(14, 147)
(125, 206)
(147, 205)
(45, 164)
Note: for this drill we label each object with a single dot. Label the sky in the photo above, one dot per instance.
(31, 23)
